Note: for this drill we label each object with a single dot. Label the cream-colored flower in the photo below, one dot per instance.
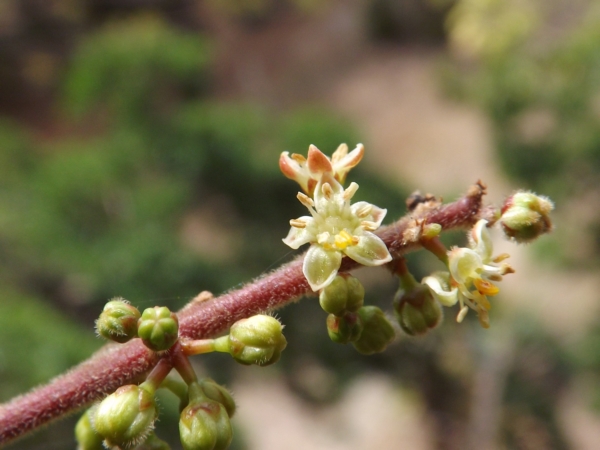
(473, 272)
(307, 171)
(336, 228)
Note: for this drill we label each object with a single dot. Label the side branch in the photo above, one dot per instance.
(116, 365)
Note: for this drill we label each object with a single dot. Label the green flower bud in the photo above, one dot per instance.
(417, 311)
(158, 328)
(219, 394)
(356, 294)
(257, 340)
(204, 423)
(344, 329)
(525, 216)
(126, 416)
(378, 332)
(118, 321)
(86, 436)
(152, 442)
(333, 297)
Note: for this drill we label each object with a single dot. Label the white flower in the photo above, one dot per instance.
(307, 171)
(472, 273)
(334, 229)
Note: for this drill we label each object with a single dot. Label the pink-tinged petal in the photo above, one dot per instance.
(370, 250)
(321, 266)
(294, 171)
(300, 236)
(317, 162)
(342, 165)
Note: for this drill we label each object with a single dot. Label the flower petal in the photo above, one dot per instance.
(370, 250)
(464, 264)
(300, 236)
(482, 242)
(292, 169)
(343, 161)
(440, 289)
(321, 266)
(317, 162)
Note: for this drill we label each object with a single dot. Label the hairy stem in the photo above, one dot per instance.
(116, 365)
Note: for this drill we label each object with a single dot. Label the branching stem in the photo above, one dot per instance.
(116, 365)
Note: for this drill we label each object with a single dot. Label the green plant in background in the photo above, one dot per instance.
(534, 72)
(109, 212)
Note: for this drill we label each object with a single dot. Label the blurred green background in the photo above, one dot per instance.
(138, 158)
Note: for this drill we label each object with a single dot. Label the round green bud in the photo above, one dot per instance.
(118, 321)
(126, 416)
(257, 340)
(87, 438)
(345, 329)
(417, 311)
(158, 327)
(356, 294)
(219, 394)
(525, 216)
(377, 333)
(333, 297)
(205, 425)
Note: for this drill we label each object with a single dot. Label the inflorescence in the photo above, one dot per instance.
(336, 228)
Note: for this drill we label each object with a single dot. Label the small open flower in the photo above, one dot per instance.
(473, 272)
(334, 229)
(307, 171)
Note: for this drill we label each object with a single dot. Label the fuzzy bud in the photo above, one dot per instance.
(86, 436)
(344, 329)
(204, 423)
(525, 216)
(219, 394)
(152, 442)
(126, 416)
(158, 328)
(118, 321)
(378, 332)
(417, 311)
(256, 340)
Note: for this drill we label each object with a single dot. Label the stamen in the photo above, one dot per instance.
(495, 277)
(305, 200)
(340, 152)
(350, 191)
(364, 211)
(368, 225)
(355, 240)
(298, 158)
(485, 287)
(327, 191)
(501, 257)
(484, 318)
(298, 223)
(462, 313)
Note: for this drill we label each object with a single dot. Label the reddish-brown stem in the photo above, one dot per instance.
(117, 365)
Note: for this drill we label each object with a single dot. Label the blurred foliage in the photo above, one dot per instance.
(533, 66)
(163, 193)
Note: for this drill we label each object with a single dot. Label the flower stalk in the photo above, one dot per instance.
(114, 366)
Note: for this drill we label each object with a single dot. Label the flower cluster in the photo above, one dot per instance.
(471, 277)
(335, 227)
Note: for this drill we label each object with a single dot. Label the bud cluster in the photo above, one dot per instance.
(366, 327)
